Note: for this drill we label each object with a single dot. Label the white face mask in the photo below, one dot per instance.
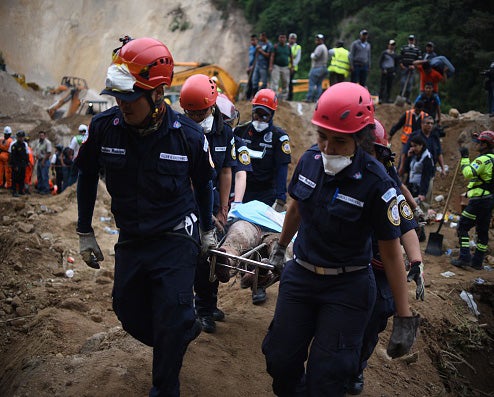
(260, 125)
(335, 163)
(207, 124)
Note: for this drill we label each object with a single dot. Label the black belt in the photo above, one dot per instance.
(329, 271)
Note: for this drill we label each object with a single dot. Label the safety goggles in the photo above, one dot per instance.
(260, 115)
(197, 113)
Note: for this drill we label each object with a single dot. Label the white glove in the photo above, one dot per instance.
(90, 250)
(279, 205)
(277, 258)
(208, 241)
(233, 205)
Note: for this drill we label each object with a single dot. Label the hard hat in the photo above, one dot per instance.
(138, 66)
(20, 134)
(227, 108)
(7, 130)
(198, 92)
(487, 136)
(83, 128)
(344, 107)
(266, 98)
(380, 135)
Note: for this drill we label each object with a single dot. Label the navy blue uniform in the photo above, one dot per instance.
(270, 155)
(326, 311)
(384, 306)
(149, 180)
(222, 147)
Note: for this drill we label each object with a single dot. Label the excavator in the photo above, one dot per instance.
(75, 90)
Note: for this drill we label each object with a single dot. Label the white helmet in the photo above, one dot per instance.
(7, 130)
(83, 128)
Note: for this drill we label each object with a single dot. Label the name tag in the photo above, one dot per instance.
(220, 149)
(306, 181)
(113, 150)
(350, 200)
(173, 157)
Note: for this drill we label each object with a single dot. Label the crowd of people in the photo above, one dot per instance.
(52, 165)
(174, 177)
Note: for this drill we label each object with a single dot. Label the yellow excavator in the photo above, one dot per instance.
(75, 90)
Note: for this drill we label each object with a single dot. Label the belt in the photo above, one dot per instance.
(329, 271)
(188, 220)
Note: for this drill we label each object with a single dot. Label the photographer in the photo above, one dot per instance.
(489, 86)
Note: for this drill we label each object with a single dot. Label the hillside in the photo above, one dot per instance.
(60, 337)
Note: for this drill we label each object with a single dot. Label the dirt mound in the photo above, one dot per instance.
(59, 335)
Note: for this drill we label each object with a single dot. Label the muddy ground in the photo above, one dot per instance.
(60, 337)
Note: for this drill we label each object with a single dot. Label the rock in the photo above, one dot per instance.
(16, 302)
(18, 267)
(22, 311)
(46, 236)
(74, 304)
(454, 113)
(25, 227)
(92, 343)
(103, 280)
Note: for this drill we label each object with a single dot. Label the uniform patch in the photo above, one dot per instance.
(256, 154)
(268, 136)
(350, 200)
(405, 210)
(357, 175)
(173, 157)
(476, 165)
(116, 121)
(113, 150)
(220, 149)
(243, 157)
(285, 147)
(306, 181)
(317, 156)
(390, 194)
(177, 124)
(393, 213)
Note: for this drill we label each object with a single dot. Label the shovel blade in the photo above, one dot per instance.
(435, 244)
(400, 100)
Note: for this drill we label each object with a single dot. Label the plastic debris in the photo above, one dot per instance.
(69, 273)
(448, 252)
(105, 219)
(109, 230)
(479, 280)
(448, 274)
(468, 297)
(453, 225)
(439, 198)
(70, 259)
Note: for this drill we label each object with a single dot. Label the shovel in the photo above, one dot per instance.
(401, 99)
(435, 242)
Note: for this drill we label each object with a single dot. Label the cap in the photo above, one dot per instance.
(340, 43)
(430, 44)
(320, 36)
(392, 42)
(83, 128)
(292, 36)
(127, 96)
(364, 31)
(20, 133)
(7, 130)
(411, 37)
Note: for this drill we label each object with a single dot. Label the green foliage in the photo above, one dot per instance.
(460, 29)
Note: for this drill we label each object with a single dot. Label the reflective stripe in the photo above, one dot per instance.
(408, 127)
(329, 271)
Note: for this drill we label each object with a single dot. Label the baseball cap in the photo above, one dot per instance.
(292, 36)
(7, 130)
(392, 42)
(411, 37)
(320, 36)
(430, 44)
(127, 96)
(20, 133)
(364, 31)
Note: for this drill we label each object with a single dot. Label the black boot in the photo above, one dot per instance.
(356, 385)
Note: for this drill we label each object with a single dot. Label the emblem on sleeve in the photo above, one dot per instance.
(405, 210)
(394, 213)
(285, 147)
(244, 157)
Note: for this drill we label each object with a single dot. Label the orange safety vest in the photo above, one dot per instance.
(409, 122)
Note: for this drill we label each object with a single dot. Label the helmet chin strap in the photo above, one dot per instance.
(155, 117)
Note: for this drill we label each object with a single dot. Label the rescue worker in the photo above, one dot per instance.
(150, 154)
(270, 153)
(29, 168)
(341, 195)
(198, 99)
(5, 170)
(409, 121)
(339, 66)
(384, 306)
(480, 193)
(18, 160)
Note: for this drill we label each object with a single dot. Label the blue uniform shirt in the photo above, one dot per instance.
(269, 151)
(340, 213)
(148, 177)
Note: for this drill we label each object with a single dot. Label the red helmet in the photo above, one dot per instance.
(266, 98)
(198, 92)
(148, 60)
(380, 134)
(487, 136)
(344, 107)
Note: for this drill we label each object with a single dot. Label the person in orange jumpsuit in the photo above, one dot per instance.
(5, 170)
(29, 168)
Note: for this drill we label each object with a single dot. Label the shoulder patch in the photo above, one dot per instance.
(405, 210)
(393, 213)
(390, 194)
(285, 147)
(243, 156)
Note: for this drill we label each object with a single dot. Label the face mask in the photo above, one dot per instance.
(260, 125)
(207, 124)
(335, 163)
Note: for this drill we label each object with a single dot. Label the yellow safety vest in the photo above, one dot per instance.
(295, 50)
(339, 62)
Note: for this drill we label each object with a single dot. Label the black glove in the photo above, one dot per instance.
(416, 274)
(279, 205)
(464, 152)
(90, 250)
(277, 258)
(403, 335)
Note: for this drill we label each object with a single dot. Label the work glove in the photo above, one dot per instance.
(208, 241)
(419, 216)
(403, 335)
(90, 250)
(277, 258)
(416, 274)
(464, 152)
(279, 205)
